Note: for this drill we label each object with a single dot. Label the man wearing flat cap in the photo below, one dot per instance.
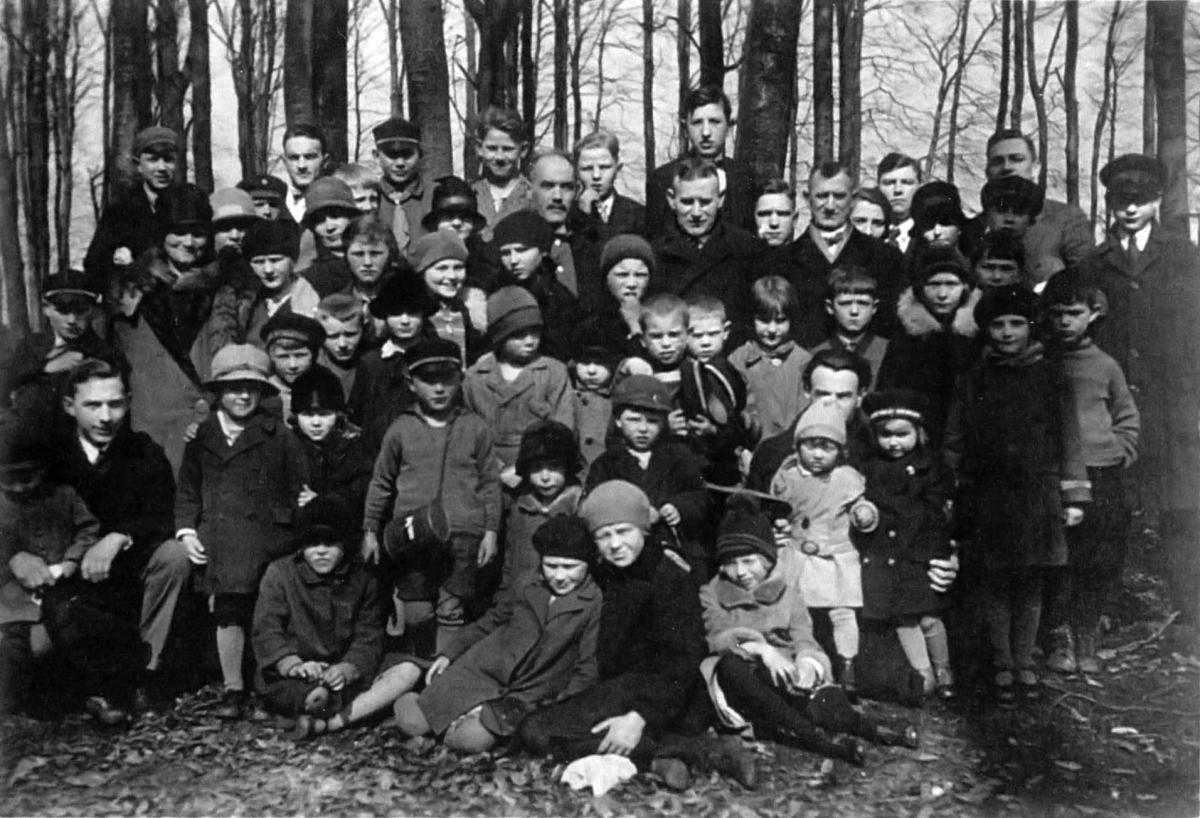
(131, 223)
(406, 198)
(1152, 281)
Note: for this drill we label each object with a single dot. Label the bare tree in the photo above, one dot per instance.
(712, 48)
(1037, 85)
(683, 54)
(36, 49)
(1067, 79)
(850, 33)
(171, 82)
(132, 83)
(248, 30)
(1005, 60)
(424, 46)
(1018, 62)
(960, 70)
(648, 84)
(822, 91)
(497, 22)
(314, 63)
(197, 67)
(529, 73)
(1149, 137)
(14, 307)
(1170, 76)
(579, 32)
(561, 57)
(767, 90)
(391, 19)
(1107, 102)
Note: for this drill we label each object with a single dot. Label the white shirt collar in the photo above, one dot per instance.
(1141, 237)
(390, 349)
(90, 450)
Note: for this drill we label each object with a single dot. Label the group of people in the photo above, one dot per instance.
(525, 461)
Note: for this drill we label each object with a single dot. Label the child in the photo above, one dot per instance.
(380, 392)
(316, 628)
(999, 259)
(501, 143)
(1109, 424)
(292, 342)
(1012, 204)
(329, 209)
(712, 393)
(597, 159)
(852, 301)
(826, 500)
(663, 467)
(341, 317)
(271, 249)
(592, 368)
(1012, 442)
(627, 264)
(232, 214)
(775, 213)
(534, 647)
(871, 213)
(523, 242)
(514, 384)
(241, 476)
(436, 457)
(440, 259)
(338, 461)
(548, 465)
(664, 322)
(905, 483)
(767, 669)
(455, 209)
(364, 186)
(373, 257)
(772, 364)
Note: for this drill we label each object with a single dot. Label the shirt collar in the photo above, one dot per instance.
(90, 450)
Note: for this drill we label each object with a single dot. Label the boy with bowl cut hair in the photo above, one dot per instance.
(597, 159)
(502, 143)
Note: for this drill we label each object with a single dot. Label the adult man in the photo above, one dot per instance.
(899, 176)
(830, 241)
(304, 153)
(706, 117)
(268, 193)
(699, 253)
(130, 224)
(1062, 234)
(136, 569)
(406, 198)
(552, 183)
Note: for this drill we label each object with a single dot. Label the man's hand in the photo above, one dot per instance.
(437, 668)
(942, 573)
(29, 570)
(1072, 516)
(670, 514)
(370, 548)
(195, 550)
(510, 478)
(487, 549)
(97, 562)
(621, 733)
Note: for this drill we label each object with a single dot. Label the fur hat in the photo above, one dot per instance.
(453, 197)
(565, 535)
(401, 294)
(896, 404)
(328, 193)
(936, 203)
(623, 246)
(934, 260)
(286, 325)
(745, 531)
(616, 501)
(1015, 193)
(433, 247)
(271, 238)
(240, 362)
(590, 345)
(525, 227)
(821, 419)
(549, 441)
(644, 392)
(1011, 300)
(317, 390)
(511, 310)
(184, 206)
(325, 520)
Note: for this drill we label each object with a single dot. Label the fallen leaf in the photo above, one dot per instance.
(1072, 766)
(924, 757)
(1122, 771)
(26, 766)
(1124, 731)
(91, 778)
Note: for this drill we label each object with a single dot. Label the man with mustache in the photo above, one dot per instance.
(304, 153)
(705, 119)
(131, 224)
(575, 250)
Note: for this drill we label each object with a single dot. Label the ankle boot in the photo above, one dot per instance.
(851, 750)
(1062, 651)
(946, 691)
(846, 678)
(897, 735)
(1085, 652)
(729, 757)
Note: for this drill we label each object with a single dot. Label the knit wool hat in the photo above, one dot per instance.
(232, 206)
(821, 419)
(623, 246)
(271, 238)
(548, 441)
(1011, 300)
(525, 227)
(616, 501)
(567, 536)
(317, 390)
(511, 310)
(744, 531)
(934, 260)
(591, 345)
(328, 194)
(433, 247)
(896, 404)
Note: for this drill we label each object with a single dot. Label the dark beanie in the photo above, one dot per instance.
(326, 520)
(1011, 300)
(745, 531)
(525, 227)
(623, 246)
(317, 390)
(268, 238)
(934, 260)
(511, 310)
(565, 535)
(548, 441)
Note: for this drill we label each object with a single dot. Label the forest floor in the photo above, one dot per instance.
(1125, 742)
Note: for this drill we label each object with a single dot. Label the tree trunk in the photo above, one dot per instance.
(683, 55)
(14, 307)
(1110, 45)
(1035, 91)
(64, 96)
(423, 42)
(298, 102)
(330, 39)
(648, 84)
(562, 10)
(496, 21)
(822, 90)
(1149, 139)
(850, 33)
(1018, 62)
(391, 14)
(576, 80)
(470, 112)
(529, 72)
(172, 82)
(768, 86)
(131, 90)
(960, 70)
(712, 44)
(198, 70)
(1170, 74)
(37, 47)
(1071, 100)
(1005, 60)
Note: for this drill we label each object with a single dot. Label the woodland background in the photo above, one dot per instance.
(810, 79)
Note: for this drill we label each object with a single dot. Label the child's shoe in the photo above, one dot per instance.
(105, 711)
(898, 735)
(232, 705)
(1062, 651)
(1085, 653)
(945, 689)
(1027, 685)
(846, 678)
(1005, 689)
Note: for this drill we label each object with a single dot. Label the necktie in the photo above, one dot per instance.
(1135, 255)
(893, 236)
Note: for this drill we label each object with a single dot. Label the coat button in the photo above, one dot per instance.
(1133, 285)
(891, 561)
(892, 534)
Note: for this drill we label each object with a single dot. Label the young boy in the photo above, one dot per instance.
(434, 453)
(501, 143)
(372, 256)
(317, 635)
(238, 487)
(592, 369)
(851, 300)
(271, 248)
(999, 259)
(292, 343)
(712, 392)
(664, 322)
(1109, 424)
(515, 384)
(772, 363)
(363, 184)
(597, 162)
(380, 392)
(663, 467)
(329, 208)
(1011, 203)
(341, 317)
(775, 213)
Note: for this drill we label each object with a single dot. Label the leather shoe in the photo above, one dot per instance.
(105, 712)
(673, 772)
(232, 705)
(905, 736)
(853, 751)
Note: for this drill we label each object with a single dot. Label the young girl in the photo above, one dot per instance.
(535, 646)
(330, 207)
(238, 486)
(440, 259)
(514, 384)
(905, 484)
(1013, 443)
(593, 364)
(826, 499)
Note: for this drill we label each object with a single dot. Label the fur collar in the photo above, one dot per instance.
(919, 322)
